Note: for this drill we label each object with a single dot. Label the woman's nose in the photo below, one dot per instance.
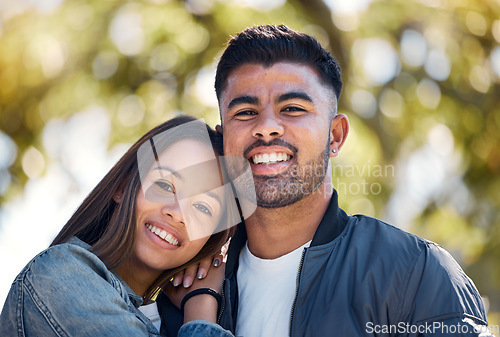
(173, 210)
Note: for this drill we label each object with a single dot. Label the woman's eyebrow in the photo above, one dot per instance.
(165, 168)
(214, 196)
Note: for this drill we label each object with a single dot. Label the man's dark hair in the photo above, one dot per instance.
(270, 44)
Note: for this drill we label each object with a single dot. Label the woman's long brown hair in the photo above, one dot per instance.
(109, 227)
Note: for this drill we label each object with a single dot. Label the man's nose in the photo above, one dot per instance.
(268, 127)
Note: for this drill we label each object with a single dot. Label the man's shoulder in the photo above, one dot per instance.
(383, 241)
(380, 233)
(430, 279)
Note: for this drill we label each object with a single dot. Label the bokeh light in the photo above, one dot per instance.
(413, 48)
(378, 59)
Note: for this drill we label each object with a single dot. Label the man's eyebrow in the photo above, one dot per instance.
(243, 100)
(294, 95)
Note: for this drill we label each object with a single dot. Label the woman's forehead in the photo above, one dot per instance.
(193, 166)
(186, 153)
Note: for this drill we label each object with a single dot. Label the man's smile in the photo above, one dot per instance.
(270, 158)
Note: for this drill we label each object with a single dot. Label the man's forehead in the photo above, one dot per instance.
(279, 72)
(277, 78)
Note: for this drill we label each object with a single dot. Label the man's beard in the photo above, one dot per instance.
(293, 185)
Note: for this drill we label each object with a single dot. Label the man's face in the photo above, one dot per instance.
(279, 118)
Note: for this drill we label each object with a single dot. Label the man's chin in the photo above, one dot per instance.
(274, 206)
(280, 201)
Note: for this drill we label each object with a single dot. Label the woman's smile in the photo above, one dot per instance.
(163, 234)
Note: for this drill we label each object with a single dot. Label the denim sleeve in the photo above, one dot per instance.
(203, 329)
(441, 300)
(67, 291)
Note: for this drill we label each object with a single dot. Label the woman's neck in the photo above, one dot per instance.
(138, 279)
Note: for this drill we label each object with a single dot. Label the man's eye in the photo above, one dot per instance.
(246, 114)
(202, 208)
(293, 110)
(165, 186)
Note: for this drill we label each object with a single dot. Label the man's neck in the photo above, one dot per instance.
(274, 232)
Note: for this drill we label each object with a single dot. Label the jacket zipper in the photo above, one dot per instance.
(296, 290)
(223, 302)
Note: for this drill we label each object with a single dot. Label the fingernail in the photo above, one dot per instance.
(216, 262)
(187, 282)
(175, 283)
(200, 276)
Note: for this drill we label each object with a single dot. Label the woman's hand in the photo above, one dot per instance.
(188, 275)
(199, 271)
(202, 306)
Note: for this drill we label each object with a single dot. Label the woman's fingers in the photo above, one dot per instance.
(178, 278)
(214, 278)
(201, 270)
(189, 275)
(204, 266)
(197, 271)
(218, 260)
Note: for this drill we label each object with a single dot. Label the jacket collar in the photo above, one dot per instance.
(135, 299)
(332, 224)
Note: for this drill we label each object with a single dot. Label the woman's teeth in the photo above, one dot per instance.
(270, 158)
(163, 234)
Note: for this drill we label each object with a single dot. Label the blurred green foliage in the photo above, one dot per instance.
(421, 78)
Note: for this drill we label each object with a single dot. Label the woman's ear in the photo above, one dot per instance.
(117, 197)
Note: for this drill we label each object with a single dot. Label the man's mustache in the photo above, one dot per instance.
(275, 142)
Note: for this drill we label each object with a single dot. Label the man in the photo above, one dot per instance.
(300, 266)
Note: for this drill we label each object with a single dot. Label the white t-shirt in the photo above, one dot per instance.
(151, 311)
(266, 291)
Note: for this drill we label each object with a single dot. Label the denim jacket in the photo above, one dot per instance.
(67, 290)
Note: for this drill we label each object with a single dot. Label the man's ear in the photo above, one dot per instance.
(339, 129)
(218, 128)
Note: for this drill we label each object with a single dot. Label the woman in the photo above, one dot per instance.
(162, 207)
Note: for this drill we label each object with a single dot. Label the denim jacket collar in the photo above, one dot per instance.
(135, 299)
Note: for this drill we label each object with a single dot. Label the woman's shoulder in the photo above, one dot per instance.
(64, 262)
(70, 272)
(63, 289)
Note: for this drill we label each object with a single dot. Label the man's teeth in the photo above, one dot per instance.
(163, 234)
(270, 158)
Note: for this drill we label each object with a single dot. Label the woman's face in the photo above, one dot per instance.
(178, 206)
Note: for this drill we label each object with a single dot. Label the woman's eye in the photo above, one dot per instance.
(202, 208)
(165, 186)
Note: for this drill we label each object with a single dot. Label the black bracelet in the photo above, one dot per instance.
(200, 291)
